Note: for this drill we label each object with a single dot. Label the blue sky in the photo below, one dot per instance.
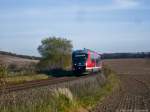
(101, 25)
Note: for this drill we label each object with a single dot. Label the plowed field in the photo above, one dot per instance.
(134, 92)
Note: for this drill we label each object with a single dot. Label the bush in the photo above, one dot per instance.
(3, 74)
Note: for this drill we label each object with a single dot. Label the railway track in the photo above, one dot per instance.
(33, 84)
(39, 83)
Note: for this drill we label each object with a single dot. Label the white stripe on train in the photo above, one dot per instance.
(90, 68)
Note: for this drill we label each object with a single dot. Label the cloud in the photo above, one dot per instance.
(70, 10)
(113, 6)
(126, 3)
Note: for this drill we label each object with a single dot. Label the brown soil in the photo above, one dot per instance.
(134, 92)
(82, 110)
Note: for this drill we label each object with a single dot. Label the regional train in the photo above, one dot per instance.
(86, 60)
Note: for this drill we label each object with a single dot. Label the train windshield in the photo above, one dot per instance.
(79, 58)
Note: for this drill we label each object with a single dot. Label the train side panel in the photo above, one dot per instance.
(93, 62)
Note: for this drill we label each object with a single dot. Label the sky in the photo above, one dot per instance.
(101, 25)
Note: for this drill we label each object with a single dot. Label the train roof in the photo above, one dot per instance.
(85, 51)
(80, 51)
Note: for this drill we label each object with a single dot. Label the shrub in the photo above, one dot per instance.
(3, 71)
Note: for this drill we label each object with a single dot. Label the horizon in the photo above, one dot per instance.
(118, 26)
(13, 53)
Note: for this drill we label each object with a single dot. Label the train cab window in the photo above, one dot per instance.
(79, 57)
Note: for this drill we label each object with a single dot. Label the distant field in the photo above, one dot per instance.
(138, 69)
(129, 66)
(20, 62)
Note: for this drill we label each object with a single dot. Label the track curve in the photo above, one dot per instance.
(40, 83)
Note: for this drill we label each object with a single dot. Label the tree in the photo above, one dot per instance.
(55, 52)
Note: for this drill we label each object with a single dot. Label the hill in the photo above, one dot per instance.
(7, 58)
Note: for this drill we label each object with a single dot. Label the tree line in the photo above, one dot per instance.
(126, 55)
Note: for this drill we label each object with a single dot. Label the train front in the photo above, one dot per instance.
(79, 59)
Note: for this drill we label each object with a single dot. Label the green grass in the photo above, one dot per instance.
(9, 77)
(24, 78)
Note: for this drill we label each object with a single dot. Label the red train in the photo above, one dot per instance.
(86, 60)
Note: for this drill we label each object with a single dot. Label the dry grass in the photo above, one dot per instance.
(74, 96)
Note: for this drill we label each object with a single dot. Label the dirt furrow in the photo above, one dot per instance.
(134, 94)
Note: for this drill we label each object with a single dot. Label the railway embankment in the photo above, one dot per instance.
(78, 95)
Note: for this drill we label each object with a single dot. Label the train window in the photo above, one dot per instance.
(92, 57)
(98, 59)
(79, 57)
